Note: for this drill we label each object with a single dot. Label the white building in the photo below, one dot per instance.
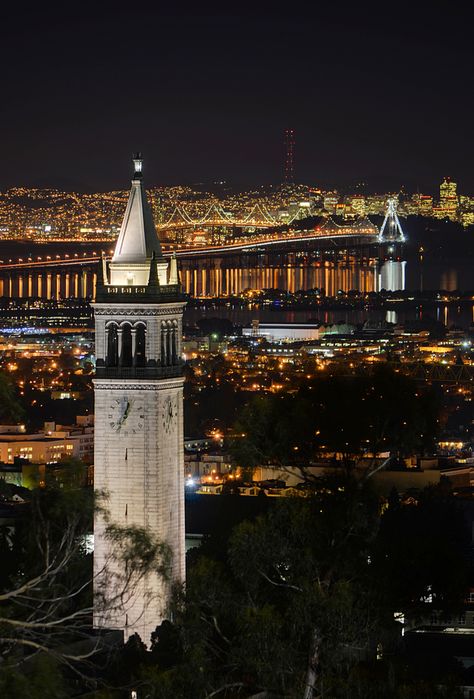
(138, 456)
(284, 332)
(37, 448)
(53, 443)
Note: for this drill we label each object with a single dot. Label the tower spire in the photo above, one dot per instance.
(138, 239)
(153, 280)
(173, 270)
(138, 165)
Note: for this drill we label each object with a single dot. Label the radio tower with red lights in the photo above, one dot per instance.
(289, 173)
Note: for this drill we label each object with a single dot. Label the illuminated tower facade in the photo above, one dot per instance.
(139, 410)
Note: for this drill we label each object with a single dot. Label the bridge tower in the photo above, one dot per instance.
(391, 230)
(391, 239)
(289, 173)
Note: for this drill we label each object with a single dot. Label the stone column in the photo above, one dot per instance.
(169, 349)
(164, 344)
(105, 355)
(172, 331)
(119, 345)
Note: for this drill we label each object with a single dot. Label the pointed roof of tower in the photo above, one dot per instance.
(138, 239)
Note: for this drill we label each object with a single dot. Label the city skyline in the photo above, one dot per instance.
(50, 214)
(370, 99)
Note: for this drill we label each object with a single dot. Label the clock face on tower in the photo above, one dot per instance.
(170, 410)
(126, 416)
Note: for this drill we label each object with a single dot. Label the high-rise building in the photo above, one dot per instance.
(448, 199)
(375, 204)
(447, 189)
(138, 454)
(330, 202)
(356, 204)
(425, 205)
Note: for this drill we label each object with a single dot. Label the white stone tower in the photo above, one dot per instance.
(138, 455)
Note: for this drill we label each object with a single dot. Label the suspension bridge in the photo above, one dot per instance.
(75, 275)
(259, 216)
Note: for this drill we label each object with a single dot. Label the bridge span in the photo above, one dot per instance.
(356, 235)
(75, 276)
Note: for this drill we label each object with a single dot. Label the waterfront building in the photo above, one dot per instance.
(138, 456)
(284, 332)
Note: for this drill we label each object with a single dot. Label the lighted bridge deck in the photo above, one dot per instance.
(248, 245)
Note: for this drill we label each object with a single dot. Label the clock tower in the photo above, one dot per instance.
(138, 386)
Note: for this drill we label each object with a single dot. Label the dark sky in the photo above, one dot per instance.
(382, 96)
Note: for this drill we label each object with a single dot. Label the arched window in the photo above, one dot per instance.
(112, 344)
(140, 344)
(169, 342)
(169, 328)
(174, 347)
(126, 353)
(164, 344)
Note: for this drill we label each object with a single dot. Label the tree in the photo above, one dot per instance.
(354, 418)
(46, 588)
(300, 604)
(286, 609)
(420, 553)
(10, 407)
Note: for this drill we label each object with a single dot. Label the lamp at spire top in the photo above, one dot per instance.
(138, 164)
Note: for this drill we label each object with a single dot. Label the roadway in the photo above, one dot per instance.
(262, 243)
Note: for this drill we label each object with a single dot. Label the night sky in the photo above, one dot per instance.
(384, 97)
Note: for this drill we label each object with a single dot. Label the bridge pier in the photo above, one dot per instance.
(392, 275)
(286, 265)
(66, 285)
(83, 292)
(56, 287)
(49, 279)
